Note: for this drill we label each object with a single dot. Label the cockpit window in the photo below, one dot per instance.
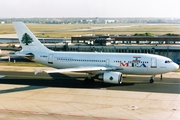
(168, 61)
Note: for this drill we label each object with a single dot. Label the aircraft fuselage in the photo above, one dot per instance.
(129, 63)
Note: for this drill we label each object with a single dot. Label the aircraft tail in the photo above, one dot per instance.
(27, 40)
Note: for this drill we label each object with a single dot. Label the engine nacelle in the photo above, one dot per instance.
(111, 77)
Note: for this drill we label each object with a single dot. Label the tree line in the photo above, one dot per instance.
(150, 34)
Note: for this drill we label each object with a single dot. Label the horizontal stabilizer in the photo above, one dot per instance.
(21, 55)
(1, 76)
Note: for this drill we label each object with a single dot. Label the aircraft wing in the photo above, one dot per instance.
(81, 69)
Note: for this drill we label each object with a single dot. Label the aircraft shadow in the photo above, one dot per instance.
(57, 80)
(19, 89)
(43, 80)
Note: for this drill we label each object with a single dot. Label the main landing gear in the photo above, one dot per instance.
(89, 79)
(153, 76)
(152, 79)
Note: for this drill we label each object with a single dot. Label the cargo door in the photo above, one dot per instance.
(50, 59)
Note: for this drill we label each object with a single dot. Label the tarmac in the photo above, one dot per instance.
(25, 96)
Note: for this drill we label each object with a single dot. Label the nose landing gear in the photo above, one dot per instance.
(152, 79)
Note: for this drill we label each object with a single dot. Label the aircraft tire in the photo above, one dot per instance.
(151, 81)
(89, 81)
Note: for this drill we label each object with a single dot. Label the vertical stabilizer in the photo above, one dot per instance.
(27, 40)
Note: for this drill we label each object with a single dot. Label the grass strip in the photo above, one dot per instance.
(30, 64)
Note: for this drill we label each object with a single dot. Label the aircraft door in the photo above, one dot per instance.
(50, 59)
(107, 62)
(153, 63)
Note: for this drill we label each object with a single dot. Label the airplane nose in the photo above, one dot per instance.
(176, 66)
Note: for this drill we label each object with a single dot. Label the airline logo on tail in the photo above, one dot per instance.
(26, 39)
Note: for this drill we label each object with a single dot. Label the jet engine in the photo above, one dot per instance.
(111, 77)
(30, 56)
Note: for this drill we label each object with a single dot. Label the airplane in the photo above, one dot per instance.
(108, 67)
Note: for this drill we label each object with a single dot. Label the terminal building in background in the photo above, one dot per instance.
(168, 46)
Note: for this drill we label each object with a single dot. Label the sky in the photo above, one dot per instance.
(89, 8)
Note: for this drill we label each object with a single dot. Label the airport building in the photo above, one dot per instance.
(128, 39)
(171, 51)
(168, 46)
(163, 45)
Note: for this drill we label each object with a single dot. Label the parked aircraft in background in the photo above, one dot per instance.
(108, 67)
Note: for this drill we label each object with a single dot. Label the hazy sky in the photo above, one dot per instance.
(89, 8)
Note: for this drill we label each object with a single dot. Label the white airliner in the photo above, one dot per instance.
(108, 67)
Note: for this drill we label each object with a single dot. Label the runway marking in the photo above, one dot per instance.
(155, 82)
(53, 114)
(98, 117)
(167, 83)
(76, 115)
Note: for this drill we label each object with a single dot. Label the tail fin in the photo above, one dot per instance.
(27, 40)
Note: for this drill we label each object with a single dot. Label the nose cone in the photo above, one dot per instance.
(176, 66)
